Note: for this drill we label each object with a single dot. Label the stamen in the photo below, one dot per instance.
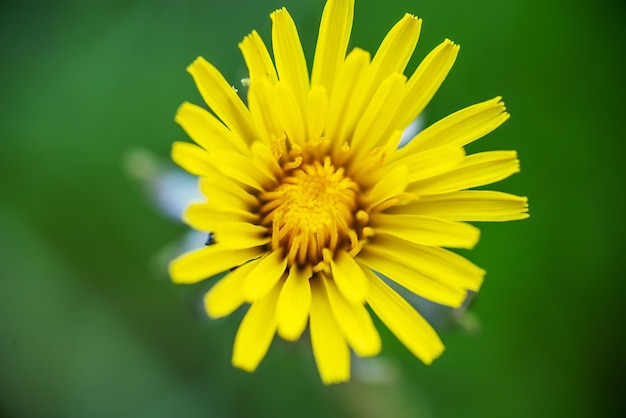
(295, 247)
(362, 217)
(295, 150)
(327, 255)
(278, 146)
(353, 252)
(354, 239)
(275, 240)
(293, 164)
(313, 212)
(302, 250)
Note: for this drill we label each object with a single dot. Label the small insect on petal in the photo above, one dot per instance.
(210, 239)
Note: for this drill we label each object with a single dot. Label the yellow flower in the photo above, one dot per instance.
(308, 194)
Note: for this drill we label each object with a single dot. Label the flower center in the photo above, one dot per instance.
(314, 208)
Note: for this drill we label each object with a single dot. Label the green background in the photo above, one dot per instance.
(90, 325)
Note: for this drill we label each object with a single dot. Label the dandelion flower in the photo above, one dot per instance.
(310, 200)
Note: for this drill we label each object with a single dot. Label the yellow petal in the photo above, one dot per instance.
(240, 235)
(289, 57)
(265, 275)
(426, 230)
(391, 185)
(472, 205)
(226, 194)
(434, 262)
(476, 170)
(232, 229)
(205, 217)
(257, 58)
(354, 321)
(225, 296)
(405, 323)
(265, 161)
(192, 158)
(425, 82)
(318, 112)
(294, 304)
(198, 265)
(332, 42)
(392, 56)
(242, 169)
(374, 123)
(395, 50)
(256, 332)
(460, 128)
(262, 100)
(330, 349)
(342, 98)
(349, 277)
(413, 280)
(431, 163)
(222, 99)
(290, 114)
(392, 142)
(207, 131)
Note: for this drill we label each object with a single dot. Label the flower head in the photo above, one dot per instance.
(309, 198)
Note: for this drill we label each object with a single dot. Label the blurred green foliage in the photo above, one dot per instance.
(90, 325)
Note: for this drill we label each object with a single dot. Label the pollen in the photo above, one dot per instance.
(315, 208)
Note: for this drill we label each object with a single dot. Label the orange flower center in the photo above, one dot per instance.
(313, 209)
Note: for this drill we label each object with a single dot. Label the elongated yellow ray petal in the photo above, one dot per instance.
(242, 169)
(394, 183)
(471, 205)
(431, 163)
(227, 194)
(318, 112)
(289, 57)
(330, 349)
(406, 324)
(192, 158)
(354, 321)
(207, 131)
(262, 100)
(226, 296)
(342, 98)
(378, 115)
(201, 264)
(332, 42)
(395, 50)
(294, 304)
(222, 99)
(475, 170)
(206, 217)
(436, 263)
(461, 127)
(257, 58)
(291, 114)
(256, 332)
(425, 82)
(413, 280)
(349, 277)
(264, 276)
(426, 230)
